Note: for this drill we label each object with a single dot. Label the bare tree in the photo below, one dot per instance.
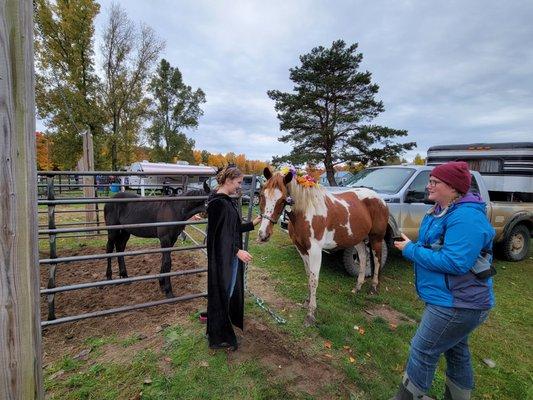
(129, 55)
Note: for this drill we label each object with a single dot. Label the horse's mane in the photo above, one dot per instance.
(304, 198)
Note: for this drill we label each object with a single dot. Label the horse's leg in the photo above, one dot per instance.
(377, 244)
(111, 239)
(121, 246)
(315, 260)
(305, 259)
(361, 253)
(166, 264)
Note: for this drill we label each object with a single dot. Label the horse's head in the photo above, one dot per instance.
(272, 201)
(196, 206)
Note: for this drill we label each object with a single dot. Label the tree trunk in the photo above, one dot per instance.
(330, 171)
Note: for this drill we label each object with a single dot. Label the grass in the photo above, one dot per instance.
(506, 338)
(185, 369)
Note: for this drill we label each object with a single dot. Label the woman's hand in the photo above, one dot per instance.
(257, 220)
(400, 244)
(244, 256)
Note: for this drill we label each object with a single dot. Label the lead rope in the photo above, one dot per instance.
(259, 301)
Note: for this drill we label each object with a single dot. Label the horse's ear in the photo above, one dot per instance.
(287, 178)
(267, 173)
(207, 189)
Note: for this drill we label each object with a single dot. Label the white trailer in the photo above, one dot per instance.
(166, 177)
(507, 168)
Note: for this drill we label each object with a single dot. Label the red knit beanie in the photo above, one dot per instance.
(454, 173)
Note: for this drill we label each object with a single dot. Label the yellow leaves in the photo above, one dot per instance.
(352, 360)
(327, 344)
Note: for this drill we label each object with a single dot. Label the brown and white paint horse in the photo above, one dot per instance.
(321, 220)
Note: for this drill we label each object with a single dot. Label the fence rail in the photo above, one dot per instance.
(69, 230)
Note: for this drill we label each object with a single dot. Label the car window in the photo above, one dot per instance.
(384, 180)
(417, 189)
(420, 182)
(474, 187)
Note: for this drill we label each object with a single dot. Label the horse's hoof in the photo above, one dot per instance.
(356, 289)
(310, 320)
(373, 290)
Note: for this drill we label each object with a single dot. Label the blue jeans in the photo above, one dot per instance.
(234, 269)
(444, 330)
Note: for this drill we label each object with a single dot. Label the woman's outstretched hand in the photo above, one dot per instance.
(244, 256)
(257, 220)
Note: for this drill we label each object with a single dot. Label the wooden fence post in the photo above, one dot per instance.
(20, 328)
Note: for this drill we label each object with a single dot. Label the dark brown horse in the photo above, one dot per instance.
(149, 212)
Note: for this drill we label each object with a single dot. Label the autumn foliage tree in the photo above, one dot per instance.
(67, 86)
(44, 159)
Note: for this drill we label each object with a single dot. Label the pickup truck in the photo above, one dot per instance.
(403, 188)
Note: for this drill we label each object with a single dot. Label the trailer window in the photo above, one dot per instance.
(485, 166)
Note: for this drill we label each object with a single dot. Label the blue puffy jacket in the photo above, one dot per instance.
(446, 250)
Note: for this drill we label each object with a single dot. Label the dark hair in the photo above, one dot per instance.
(230, 171)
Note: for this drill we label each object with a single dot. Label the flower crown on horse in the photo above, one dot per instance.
(302, 177)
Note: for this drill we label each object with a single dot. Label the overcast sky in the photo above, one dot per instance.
(448, 71)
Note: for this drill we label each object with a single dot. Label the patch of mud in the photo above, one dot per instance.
(388, 314)
(285, 362)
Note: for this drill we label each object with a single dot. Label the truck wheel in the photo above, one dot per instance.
(350, 260)
(178, 191)
(516, 244)
(256, 199)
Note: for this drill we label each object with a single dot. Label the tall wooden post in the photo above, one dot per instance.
(20, 329)
(88, 165)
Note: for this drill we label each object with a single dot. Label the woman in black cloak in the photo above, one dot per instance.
(225, 259)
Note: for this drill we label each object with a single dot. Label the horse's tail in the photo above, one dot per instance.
(371, 256)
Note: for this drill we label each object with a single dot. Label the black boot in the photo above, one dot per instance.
(454, 392)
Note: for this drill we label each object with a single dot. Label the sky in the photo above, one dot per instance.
(449, 72)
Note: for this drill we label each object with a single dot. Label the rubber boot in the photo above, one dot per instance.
(454, 392)
(408, 391)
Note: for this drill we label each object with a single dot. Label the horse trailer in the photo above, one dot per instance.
(507, 168)
(166, 177)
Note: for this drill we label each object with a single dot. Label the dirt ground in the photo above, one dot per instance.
(259, 342)
(69, 338)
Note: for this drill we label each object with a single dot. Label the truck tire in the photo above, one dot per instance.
(516, 245)
(350, 260)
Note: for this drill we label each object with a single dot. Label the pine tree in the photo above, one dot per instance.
(328, 115)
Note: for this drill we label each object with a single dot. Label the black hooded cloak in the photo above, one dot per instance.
(224, 239)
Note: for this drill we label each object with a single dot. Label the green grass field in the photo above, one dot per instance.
(371, 363)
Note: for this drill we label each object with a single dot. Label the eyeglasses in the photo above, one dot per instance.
(433, 182)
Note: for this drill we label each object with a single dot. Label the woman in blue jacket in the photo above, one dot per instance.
(452, 262)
